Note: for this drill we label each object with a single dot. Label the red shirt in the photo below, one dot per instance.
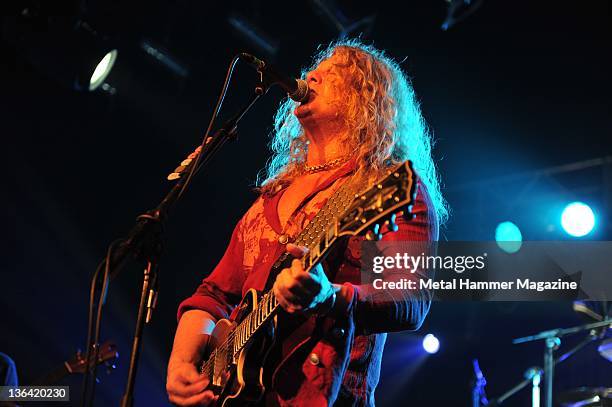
(341, 363)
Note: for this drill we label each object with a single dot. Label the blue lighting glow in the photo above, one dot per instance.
(578, 219)
(431, 344)
(508, 237)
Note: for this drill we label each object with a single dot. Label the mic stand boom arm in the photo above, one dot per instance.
(143, 242)
(552, 341)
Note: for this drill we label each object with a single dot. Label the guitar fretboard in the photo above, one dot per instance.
(318, 236)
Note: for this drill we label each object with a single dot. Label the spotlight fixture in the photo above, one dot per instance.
(254, 35)
(331, 13)
(102, 70)
(578, 219)
(67, 49)
(508, 237)
(431, 344)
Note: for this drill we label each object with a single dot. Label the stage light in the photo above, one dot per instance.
(578, 219)
(508, 237)
(431, 344)
(164, 58)
(337, 19)
(254, 34)
(102, 70)
(68, 49)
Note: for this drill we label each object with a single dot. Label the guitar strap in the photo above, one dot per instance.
(335, 206)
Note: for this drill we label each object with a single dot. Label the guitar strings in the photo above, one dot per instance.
(208, 366)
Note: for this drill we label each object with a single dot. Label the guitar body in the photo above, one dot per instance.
(238, 378)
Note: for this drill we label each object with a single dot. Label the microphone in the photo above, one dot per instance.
(297, 89)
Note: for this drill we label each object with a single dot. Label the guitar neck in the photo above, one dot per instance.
(268, 305)
(108, 351)
(52, 377)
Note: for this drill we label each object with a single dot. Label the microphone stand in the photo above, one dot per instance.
(533, 375)
(552, 341)
(144, 243)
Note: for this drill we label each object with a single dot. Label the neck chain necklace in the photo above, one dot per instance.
(311, 169)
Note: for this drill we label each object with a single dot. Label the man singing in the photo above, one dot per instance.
(360, 117)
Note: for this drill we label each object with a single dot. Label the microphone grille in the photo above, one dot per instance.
(301, 91)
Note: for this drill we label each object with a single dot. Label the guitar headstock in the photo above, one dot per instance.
(391, 196)
(108, 351)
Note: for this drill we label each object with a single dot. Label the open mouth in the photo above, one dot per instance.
(308, 98)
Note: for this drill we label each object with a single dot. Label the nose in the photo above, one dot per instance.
(313, 77)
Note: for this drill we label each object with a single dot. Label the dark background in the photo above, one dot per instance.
(516, 87)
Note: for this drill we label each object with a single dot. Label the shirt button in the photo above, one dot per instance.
(337, 332)
(314, 359)
(283, 239)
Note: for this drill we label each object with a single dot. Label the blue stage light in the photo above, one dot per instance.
(508, 237)
(578, 219)
(431, 344)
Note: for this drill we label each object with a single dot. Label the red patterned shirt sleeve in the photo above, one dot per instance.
(376, 310)
(221, 291)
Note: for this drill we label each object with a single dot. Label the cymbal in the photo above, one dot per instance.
(586, 396)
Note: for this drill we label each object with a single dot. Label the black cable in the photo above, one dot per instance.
(93, 332)
(86, 376)
(220, 100)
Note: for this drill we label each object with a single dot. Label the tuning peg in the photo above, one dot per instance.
(408, 214)
(376, 232)
(110, 367)
(392, 225)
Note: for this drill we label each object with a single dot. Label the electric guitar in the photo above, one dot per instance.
(107, 353)
(238, 349)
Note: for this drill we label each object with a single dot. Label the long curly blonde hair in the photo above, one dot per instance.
(383, 117)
